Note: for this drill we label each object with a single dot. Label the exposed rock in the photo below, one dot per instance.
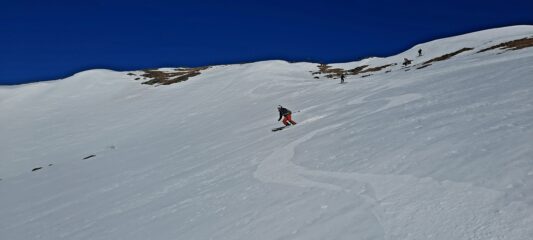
(512, 45)
(375, 69)
(446, 56)
(168, 77)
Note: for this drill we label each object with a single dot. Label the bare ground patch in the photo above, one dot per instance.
(356, 70)
(337, 72)
(330, 72)
(167, 77)
(445, 56)
(512, 45)
(375, 69)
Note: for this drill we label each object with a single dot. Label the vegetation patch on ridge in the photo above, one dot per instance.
(512, 45)
(330, 72)
(446, 56)
(165, 77)
(375, 69)
(336, 72)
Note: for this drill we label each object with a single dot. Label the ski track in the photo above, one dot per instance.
(396, 199)
(391, 101)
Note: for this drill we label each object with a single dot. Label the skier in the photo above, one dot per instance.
(286, 113)
(419, 52)
(406, 61)
(342, 78)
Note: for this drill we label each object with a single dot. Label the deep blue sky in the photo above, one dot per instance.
(45, 40)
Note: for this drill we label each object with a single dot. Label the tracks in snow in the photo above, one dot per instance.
(402, 203)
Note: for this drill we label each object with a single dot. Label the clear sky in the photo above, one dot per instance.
(46, 40)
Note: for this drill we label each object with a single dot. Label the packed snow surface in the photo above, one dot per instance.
(444, 152)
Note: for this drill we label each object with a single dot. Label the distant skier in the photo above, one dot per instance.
(286, 114)
(342, 78)
(406, 61)
(419, 52)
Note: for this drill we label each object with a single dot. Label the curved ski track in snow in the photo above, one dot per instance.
(396, 199)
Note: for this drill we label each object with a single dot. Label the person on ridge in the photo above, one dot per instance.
(342, 78)
(286, 114)
(406, 61)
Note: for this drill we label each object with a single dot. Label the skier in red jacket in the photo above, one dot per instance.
(286, 114)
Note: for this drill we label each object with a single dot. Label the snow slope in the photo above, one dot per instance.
(443, 152)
